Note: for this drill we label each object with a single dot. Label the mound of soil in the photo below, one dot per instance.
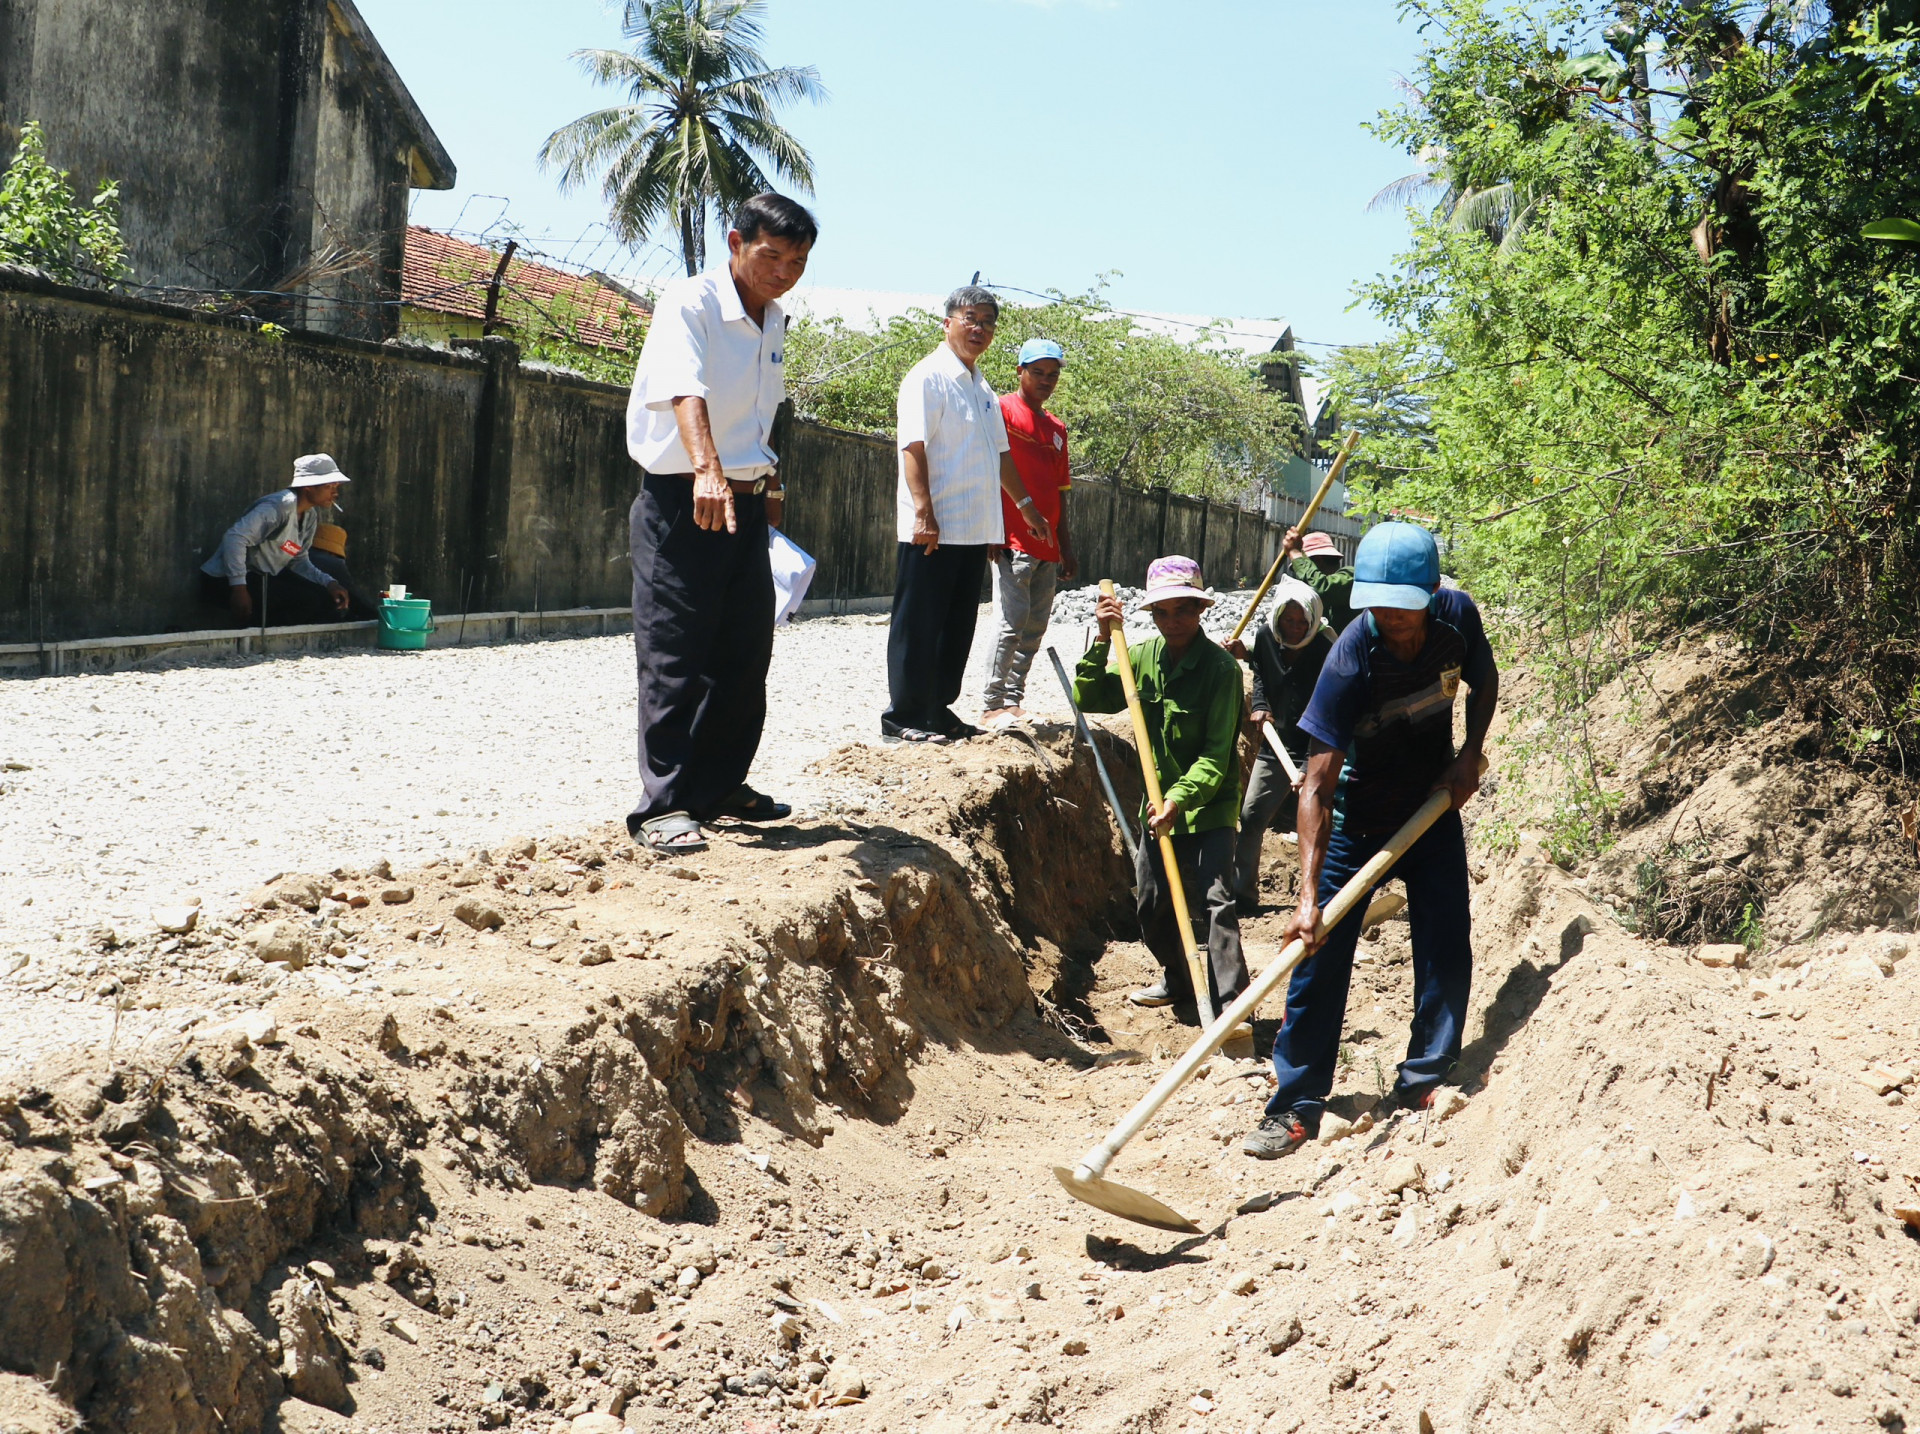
(1740, 816)
(762, 1139)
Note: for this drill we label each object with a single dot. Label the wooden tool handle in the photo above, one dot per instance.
(1272, 734)
(1349, 896)
(1202, 992)
(1313, 508)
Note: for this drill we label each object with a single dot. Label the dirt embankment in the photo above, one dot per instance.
(761, 1140)
(1740, 808)
(563, 1018)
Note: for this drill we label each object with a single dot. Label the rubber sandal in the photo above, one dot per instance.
(747, 805)
(895, 732)
(667, 835)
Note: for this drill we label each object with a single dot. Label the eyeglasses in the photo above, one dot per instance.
(985, 325)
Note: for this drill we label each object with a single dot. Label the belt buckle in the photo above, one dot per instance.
(760, 485)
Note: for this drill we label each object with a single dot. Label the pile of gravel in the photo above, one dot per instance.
(1075, 607)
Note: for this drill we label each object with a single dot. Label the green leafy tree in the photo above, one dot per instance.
(45, 224)
(1144, 408)
(697, 126)
(1376, 390)
(1687, 394)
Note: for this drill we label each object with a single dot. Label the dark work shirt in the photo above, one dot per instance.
(1393, 719)
(1283, 684)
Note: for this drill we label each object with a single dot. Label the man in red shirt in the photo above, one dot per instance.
(1027, 571)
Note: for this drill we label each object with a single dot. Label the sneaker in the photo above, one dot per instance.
(1279, 1135)
(1158, 994)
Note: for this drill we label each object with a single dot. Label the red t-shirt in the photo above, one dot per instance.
(1040, 453)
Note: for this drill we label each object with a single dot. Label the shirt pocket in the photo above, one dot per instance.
(1180, 726)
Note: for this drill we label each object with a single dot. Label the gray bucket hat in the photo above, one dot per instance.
(316, 469)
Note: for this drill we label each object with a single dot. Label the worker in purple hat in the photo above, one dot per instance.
(1380, 725)
(1190, 692)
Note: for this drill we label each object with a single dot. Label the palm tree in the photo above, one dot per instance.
(1501, 213)
(700, 108)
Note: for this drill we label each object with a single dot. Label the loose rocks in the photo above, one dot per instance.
(479, 915)
(845, 1384)
(176, 920)
(280, 943)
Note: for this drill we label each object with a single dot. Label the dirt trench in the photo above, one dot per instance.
(160, 1215)
(761, 1141)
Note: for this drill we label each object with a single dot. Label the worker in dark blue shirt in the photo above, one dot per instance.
(1381, 730)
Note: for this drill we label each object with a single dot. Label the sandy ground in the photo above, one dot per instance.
(1663, 1198)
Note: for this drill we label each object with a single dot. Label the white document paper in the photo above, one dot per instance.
(793, 572)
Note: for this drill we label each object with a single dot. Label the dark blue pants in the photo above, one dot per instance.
(702, 640)
(1435, 873)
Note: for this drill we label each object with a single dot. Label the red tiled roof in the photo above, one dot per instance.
(444, 275)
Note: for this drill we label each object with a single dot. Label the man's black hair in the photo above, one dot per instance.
(774, 216)
(972, 296)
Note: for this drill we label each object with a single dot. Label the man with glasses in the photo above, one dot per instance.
(954, 464)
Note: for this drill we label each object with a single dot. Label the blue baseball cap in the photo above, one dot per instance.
(1397, 565)
(1033, 350)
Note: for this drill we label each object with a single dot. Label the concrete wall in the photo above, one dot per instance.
(250, 138)
(132, 434)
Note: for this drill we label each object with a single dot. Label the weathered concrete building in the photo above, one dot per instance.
(260, 145)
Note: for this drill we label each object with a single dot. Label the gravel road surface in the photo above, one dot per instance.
(125, 792)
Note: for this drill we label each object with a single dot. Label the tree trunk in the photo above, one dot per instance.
(689, 241)
(1630, 12)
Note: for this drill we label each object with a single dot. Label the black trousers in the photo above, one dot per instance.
(1206, 873)
(936, 599)
(291, 601)
(360, 608)
(702, 641)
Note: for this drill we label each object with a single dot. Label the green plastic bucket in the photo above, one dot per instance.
(405, 623)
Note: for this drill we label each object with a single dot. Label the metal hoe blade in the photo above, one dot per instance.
(1124, 1201)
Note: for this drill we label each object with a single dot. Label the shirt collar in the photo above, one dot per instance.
(1187, 658)
(730, 306)
(949, 363)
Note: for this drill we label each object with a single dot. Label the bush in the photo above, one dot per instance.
(44, 224)
(1649, 365)
(1142, 408)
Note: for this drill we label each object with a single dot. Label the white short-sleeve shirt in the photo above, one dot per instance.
(701, 344)
(955, 412)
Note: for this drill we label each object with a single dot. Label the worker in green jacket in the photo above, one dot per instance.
(1317, 561)
(1190, 693)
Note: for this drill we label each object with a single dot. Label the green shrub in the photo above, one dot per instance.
(43, 222)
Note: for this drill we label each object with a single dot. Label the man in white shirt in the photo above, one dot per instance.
(954, 464)
(710, 378)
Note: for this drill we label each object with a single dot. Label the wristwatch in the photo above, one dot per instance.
(1024, 503)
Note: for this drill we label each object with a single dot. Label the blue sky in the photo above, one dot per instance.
(1209, 150)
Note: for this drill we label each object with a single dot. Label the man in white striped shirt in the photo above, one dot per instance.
(954, 464)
